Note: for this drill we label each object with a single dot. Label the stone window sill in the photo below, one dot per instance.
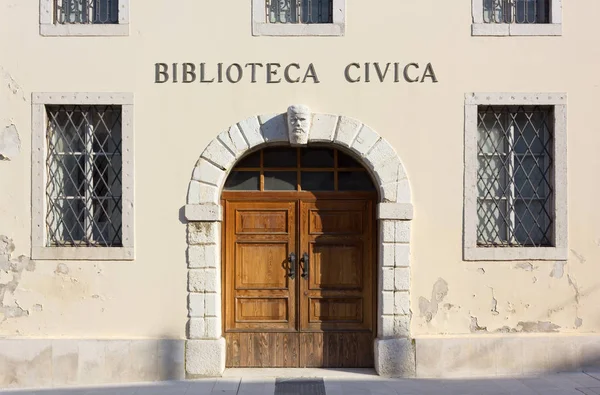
(507, 29)
(515, 253)
(281, 29)
(83, 253)
(84, 30)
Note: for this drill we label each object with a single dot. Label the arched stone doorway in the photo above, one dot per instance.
(206, 347)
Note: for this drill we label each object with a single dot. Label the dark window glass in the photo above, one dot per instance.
(243, 181)
(317, 157)
(280, 180)
(280, 157)
(347, 161)
(354, 181)
(317, 181)
(252, 160)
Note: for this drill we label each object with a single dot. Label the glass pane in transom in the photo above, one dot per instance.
(252, 160)
(317, 181)
(354, 181)
(347, 161)
(280, 157)
(280, 180)
(243, 181)
(316, 157)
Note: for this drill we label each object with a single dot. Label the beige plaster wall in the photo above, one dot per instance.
(146, 298)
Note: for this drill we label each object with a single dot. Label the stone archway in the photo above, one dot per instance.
(205, 348)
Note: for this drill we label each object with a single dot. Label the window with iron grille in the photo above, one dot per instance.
(84, 187)
(516, 11)
(517, 18)
(515, 196)
(87, 11)
(515, 191)
(84, 17)
(298, 17)
(82, 197)
(300, 11)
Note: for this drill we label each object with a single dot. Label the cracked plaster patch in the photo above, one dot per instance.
(10, 143)
(11, 269)
(428, 308)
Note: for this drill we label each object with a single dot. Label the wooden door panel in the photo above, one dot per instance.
(336, 350)
(337, 310)
(261, 265)
(266, 350)
(335, 222)
(336, 266)
(335, 299)
(259, 294)
(258, 221)
(262, 310)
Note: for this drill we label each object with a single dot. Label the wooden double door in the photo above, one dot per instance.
(299, 282)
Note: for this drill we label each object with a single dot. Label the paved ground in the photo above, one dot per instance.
(356, 384)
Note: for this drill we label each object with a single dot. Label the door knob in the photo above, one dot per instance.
(305, 266)
(292, 261)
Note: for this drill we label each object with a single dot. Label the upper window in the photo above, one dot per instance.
(85, 210)
(84, 17)
(298, 17)
(517, 17)
(299, 169)
(514, 190)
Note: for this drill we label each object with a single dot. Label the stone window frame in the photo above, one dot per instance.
(471, 252)
(554, 28)
(205, 348)
(39, 250)
(48, 27)
(260, 26)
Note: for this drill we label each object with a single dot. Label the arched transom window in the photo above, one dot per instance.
(299, 169)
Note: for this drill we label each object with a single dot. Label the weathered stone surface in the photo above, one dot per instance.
(402, 279)
(25, 363)
(250, 128)
(232, 138)
(386, 279)
(203, 256)
(144, 360)
(203, 212)
(208, 173)
(401, 303)
(364, 141)
(395, 357)
(212, 305)
(212, 327)
(395, 211)
(203, 232)
(347, 131)
(216, 153)
(91, 364)
(203, 280)
(199, 193)
(171, 354)
(387, 303)
(323, 128)
(274, 128)
(196, 328)
(205, 357)
(196, 304)
(402, 232)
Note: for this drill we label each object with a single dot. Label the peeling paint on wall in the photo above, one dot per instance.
(558, 270)
(525, 266)
(475, 326)
(12, 84)
(539, 326)
(579, 257)
(11, 271)
(10, 143)
(574, 285)
(428, 308)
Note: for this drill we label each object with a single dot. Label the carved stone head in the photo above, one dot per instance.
(299, 122)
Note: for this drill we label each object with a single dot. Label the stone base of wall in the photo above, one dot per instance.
(510, 355)
(46, 363)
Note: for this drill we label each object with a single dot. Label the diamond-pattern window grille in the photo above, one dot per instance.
(514, 177)
(299, 11)
(84, 165)
(516, 11)
(86, 11)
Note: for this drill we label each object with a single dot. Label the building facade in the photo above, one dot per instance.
(293, 184)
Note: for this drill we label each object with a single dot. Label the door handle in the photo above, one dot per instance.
(292, 261)
(306, 266)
